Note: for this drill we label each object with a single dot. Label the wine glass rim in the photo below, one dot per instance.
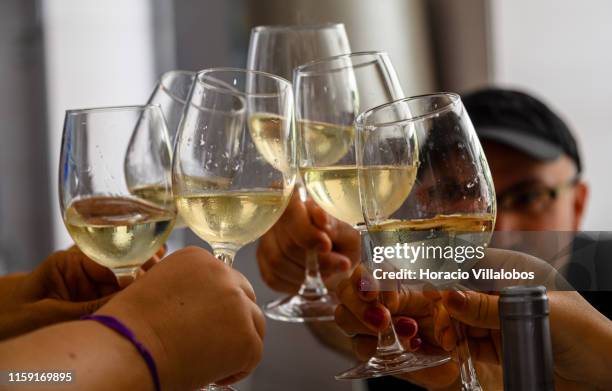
(166, 88)
(454, 97)
(281, 81)
(293, 27)
(371, 53)
(113, 108)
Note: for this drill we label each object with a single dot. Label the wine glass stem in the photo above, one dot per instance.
(126, 275)
(313, 286)
(225, 256)
(469, 381)
(388, 343)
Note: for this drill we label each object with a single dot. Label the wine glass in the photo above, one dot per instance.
(170, 94)
(330, 93)
(234, 162)
(452, 202)
(112, 226)
(278, 50)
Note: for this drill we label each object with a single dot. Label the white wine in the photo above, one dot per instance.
(336, 190)
(322, 143)
(158, 195)
(118, 232)
(438, 244)
(446, 223)
(232, 218)
(266, 133)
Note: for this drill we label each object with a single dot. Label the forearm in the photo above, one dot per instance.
(99, 358)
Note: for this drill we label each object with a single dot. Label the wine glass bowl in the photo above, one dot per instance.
(110, 224)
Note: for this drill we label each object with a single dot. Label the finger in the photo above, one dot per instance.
(405, 327)
(245, 285)
(295, 229)
(333, 262)
(410, 303)
(267, 255)
(444, 333)
(274, 261)
(426, 330)
(473, 308)
(374, 315)
(318, 216)
(364, 285)
(349, 323)
(364, 346)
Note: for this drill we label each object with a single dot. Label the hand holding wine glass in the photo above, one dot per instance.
(234, 164)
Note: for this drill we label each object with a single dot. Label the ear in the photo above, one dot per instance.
(581, 193)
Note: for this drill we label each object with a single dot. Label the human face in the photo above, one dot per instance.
(545, 196)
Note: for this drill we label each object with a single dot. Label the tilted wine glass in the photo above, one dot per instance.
(452, 202)
(278, 50)
(170, 93)
(110, 224)
(229, 188)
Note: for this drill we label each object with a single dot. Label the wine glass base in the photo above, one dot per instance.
(300, 309)
(214, 387)
(403, 362)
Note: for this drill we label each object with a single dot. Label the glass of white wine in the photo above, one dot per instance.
(232, 176)
(452, 202)
(170, 93)
(278, 50)
(109, 223)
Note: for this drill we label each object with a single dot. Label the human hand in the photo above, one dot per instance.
(65, 286)
(305, 227)
(198, 318)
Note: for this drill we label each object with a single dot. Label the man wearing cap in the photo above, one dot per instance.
(534, 161)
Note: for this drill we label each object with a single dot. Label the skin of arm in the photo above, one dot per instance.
(99, 358)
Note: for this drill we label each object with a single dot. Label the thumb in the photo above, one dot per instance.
(473, 308)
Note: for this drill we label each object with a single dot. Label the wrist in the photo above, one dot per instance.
(149, 338)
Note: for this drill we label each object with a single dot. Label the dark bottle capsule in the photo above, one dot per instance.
(526, 345)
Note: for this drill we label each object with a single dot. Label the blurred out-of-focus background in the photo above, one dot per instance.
(61, 54)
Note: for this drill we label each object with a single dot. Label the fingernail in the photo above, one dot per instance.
(374, 316)
(457, 300)
(364, 285)
(406, 327)
(415, 343)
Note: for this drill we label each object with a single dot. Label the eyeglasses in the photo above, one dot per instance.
(532, 198)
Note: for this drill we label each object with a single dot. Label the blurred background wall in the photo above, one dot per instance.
(61, 54)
